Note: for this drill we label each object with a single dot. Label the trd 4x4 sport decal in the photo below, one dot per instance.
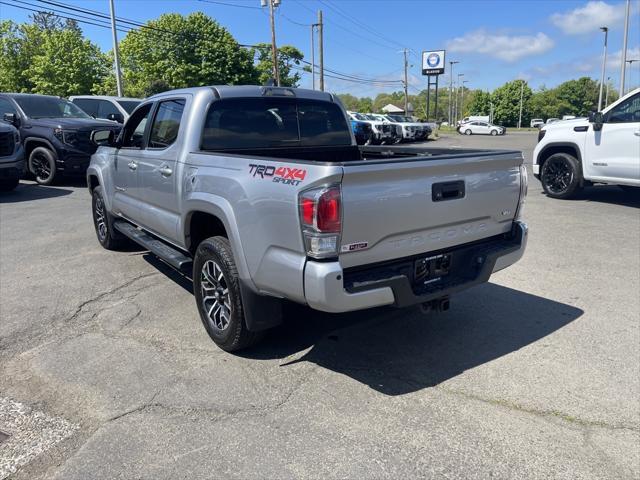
(285, 175)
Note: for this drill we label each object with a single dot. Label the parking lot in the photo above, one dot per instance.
(107, 372)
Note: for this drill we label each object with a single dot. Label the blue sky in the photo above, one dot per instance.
(544, 41)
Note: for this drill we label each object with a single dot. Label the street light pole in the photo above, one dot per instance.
(462, 97)
(606, 96)
(116, 55)
(625, 35)
(604, 64)
(630, 62)
(451, 64)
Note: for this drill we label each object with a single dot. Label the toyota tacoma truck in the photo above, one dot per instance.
(261, 195)
(604, 148)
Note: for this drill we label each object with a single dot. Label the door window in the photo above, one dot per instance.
(166, 124)
(626, 112)
(105, 108)
(88, 105)
(134, 129)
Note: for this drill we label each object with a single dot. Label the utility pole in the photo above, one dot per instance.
(462, 99)
(116, 55)
(321, 49)
(313, 58)
(451, 64)
(455, 117)
(521, 98)
(623, 62)
(406, 84)
(630, 62)
(604, 64)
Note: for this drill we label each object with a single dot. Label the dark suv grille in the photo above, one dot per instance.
(6, 143)
(386, 128)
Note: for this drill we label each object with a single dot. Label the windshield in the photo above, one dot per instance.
(359, 116)
(396, 118)
(36, 106)
(372, 117)
(128, 105)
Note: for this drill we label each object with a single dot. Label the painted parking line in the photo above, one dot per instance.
(26, 433)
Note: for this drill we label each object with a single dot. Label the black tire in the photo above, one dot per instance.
(108, 237)
(221, 312)
(42, 164)
(8, 184)
(561, 176)
(468, 132)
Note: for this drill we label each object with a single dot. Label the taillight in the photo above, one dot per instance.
(321, 219)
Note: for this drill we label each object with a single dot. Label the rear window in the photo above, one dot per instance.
(273, 122)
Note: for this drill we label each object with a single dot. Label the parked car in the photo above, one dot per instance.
(116, 109)
(475, 118)
(361, 131)
(481, 128)
(552, 120)
(261, 194)
(568, 117)
(396, 128)
(536, 122)
(55, 133)
(409, 128)
(381, 131)
(605, 148)
(12, 166)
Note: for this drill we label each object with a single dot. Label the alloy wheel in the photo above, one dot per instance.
(216, 301)
(41, 167)
(557, 175)
(100, 218)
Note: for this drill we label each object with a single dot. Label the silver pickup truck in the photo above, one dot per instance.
(260, 195)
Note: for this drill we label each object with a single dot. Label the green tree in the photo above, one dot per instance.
(479, 103)
(578, 97)
(288, 59)
(48, 56)
(506, 101)
(182, 51)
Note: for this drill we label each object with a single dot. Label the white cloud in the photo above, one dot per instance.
(589, 18)
(505, 47)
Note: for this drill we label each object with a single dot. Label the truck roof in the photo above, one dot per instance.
(235, 91)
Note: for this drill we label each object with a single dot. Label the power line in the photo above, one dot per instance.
(215, 2)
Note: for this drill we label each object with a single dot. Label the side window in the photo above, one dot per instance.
(6, 107)
(105, 108)
(88, 105)
(133, 131)
(166, 123)
(626, 112)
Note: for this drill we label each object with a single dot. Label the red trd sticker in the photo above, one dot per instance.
(285, 175)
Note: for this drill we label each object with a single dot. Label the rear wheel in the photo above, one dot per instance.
(42, 164)
(561, 176)
(216, 286)
(467, 132)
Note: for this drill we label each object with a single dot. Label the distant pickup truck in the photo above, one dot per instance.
(261, 194)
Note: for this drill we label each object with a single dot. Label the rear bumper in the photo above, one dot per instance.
(330, 289)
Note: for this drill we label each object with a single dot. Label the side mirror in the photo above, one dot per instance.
(11, 118)
(104, 138)
(597, 118)
(116, 117)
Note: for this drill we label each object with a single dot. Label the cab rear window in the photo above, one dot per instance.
(273, 122)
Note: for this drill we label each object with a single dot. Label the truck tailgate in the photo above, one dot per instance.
(403, 207)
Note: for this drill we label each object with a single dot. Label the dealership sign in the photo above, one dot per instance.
(433, 62)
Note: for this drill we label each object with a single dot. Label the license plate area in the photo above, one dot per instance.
(431, 269)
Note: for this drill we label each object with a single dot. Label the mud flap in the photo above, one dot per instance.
(260, 312)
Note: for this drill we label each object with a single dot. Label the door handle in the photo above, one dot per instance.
(637, 133)
(132, 165)
(165, 171)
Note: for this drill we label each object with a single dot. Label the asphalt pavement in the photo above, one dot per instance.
(107, 373)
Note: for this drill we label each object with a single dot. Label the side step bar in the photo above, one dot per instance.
(165, 252)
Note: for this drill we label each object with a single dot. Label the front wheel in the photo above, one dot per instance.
(108, 237)
(467, 132)
(216, 286)
(42, 164)
(561, 176)
(494, 133)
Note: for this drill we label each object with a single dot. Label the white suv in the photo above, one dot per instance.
(605, 148)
